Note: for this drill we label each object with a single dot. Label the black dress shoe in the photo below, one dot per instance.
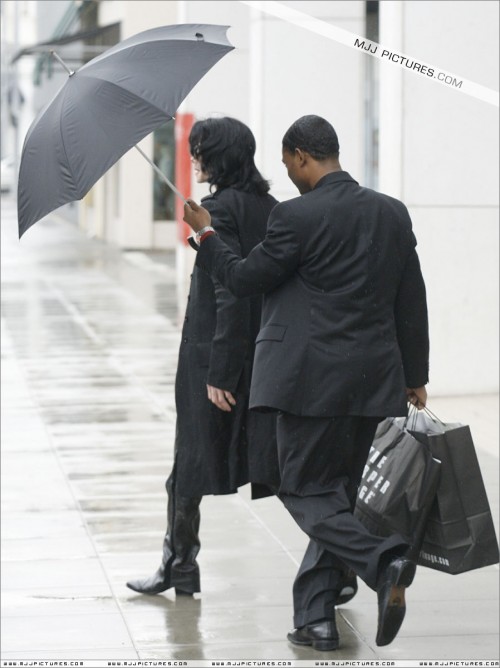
(321, 635)
(349, 588)
(393, 580)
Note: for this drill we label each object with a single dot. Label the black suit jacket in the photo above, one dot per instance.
(344, 322)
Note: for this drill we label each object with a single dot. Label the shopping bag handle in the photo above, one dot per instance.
(413, 414)
(433, 415)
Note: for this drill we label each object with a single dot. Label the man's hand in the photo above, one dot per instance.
(223, 399)
(417, 396)
(196, 216)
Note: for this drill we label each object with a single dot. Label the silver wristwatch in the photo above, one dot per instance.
(203, 230)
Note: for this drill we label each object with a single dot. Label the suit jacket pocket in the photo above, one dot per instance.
(271, 333)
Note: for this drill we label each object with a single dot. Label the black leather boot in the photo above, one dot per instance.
(184, 570)
(160, 580)
(181, 545)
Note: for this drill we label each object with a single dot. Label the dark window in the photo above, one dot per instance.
(164, 159)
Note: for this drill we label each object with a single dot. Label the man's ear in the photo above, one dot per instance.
(301, 156)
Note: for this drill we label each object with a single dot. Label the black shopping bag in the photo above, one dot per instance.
(398, 486)
(460, 535)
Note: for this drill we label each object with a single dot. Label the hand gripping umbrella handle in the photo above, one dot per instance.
(162, 175)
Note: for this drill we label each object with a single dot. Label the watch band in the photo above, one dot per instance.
(203, 231)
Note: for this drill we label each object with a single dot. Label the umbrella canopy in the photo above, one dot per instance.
(106, 107)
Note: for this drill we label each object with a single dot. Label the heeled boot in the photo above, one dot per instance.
(181, 545)
(184, 569)
(160, 580)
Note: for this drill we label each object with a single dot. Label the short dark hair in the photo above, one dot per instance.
(314, 135)
(225, 148)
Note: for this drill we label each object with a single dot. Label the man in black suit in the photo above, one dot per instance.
(343, 343)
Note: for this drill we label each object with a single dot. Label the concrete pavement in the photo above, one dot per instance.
(89, 351)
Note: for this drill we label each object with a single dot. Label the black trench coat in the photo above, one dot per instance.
(212, 453)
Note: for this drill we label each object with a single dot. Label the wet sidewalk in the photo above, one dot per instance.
(89, 352)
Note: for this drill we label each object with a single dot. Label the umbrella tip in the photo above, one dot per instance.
(199, 37)
(55, 55)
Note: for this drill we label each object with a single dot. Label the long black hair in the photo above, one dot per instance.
(225, 147)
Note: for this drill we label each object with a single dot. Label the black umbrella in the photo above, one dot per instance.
(106, 107)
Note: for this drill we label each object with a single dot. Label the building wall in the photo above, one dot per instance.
(279, 72)
(303, 73)
(439, 154)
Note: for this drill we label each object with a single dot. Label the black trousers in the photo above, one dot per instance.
(321, 462)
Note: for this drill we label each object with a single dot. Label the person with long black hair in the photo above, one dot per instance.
(214, 427)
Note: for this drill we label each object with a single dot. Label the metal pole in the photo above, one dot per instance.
(162, 175)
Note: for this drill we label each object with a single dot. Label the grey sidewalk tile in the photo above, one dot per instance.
(34, 479)
(454, 647)
(97, 461)
(52, 573)
(41, 592)
(74, 632)
(276, 564)
(77, 653)
(116, 543)
(47, 524)
(110, 486)
(125, 524)
(23, 424)
(29, 549)
(33, 602)
(95, 414)
(136, 505)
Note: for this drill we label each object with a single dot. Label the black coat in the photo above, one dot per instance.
(217, 347)
(344, 321)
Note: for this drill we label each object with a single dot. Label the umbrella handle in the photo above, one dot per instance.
(162, 175)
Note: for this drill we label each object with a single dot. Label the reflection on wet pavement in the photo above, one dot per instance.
(89, 347)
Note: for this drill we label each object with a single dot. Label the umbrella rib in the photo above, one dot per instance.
(64, 144)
